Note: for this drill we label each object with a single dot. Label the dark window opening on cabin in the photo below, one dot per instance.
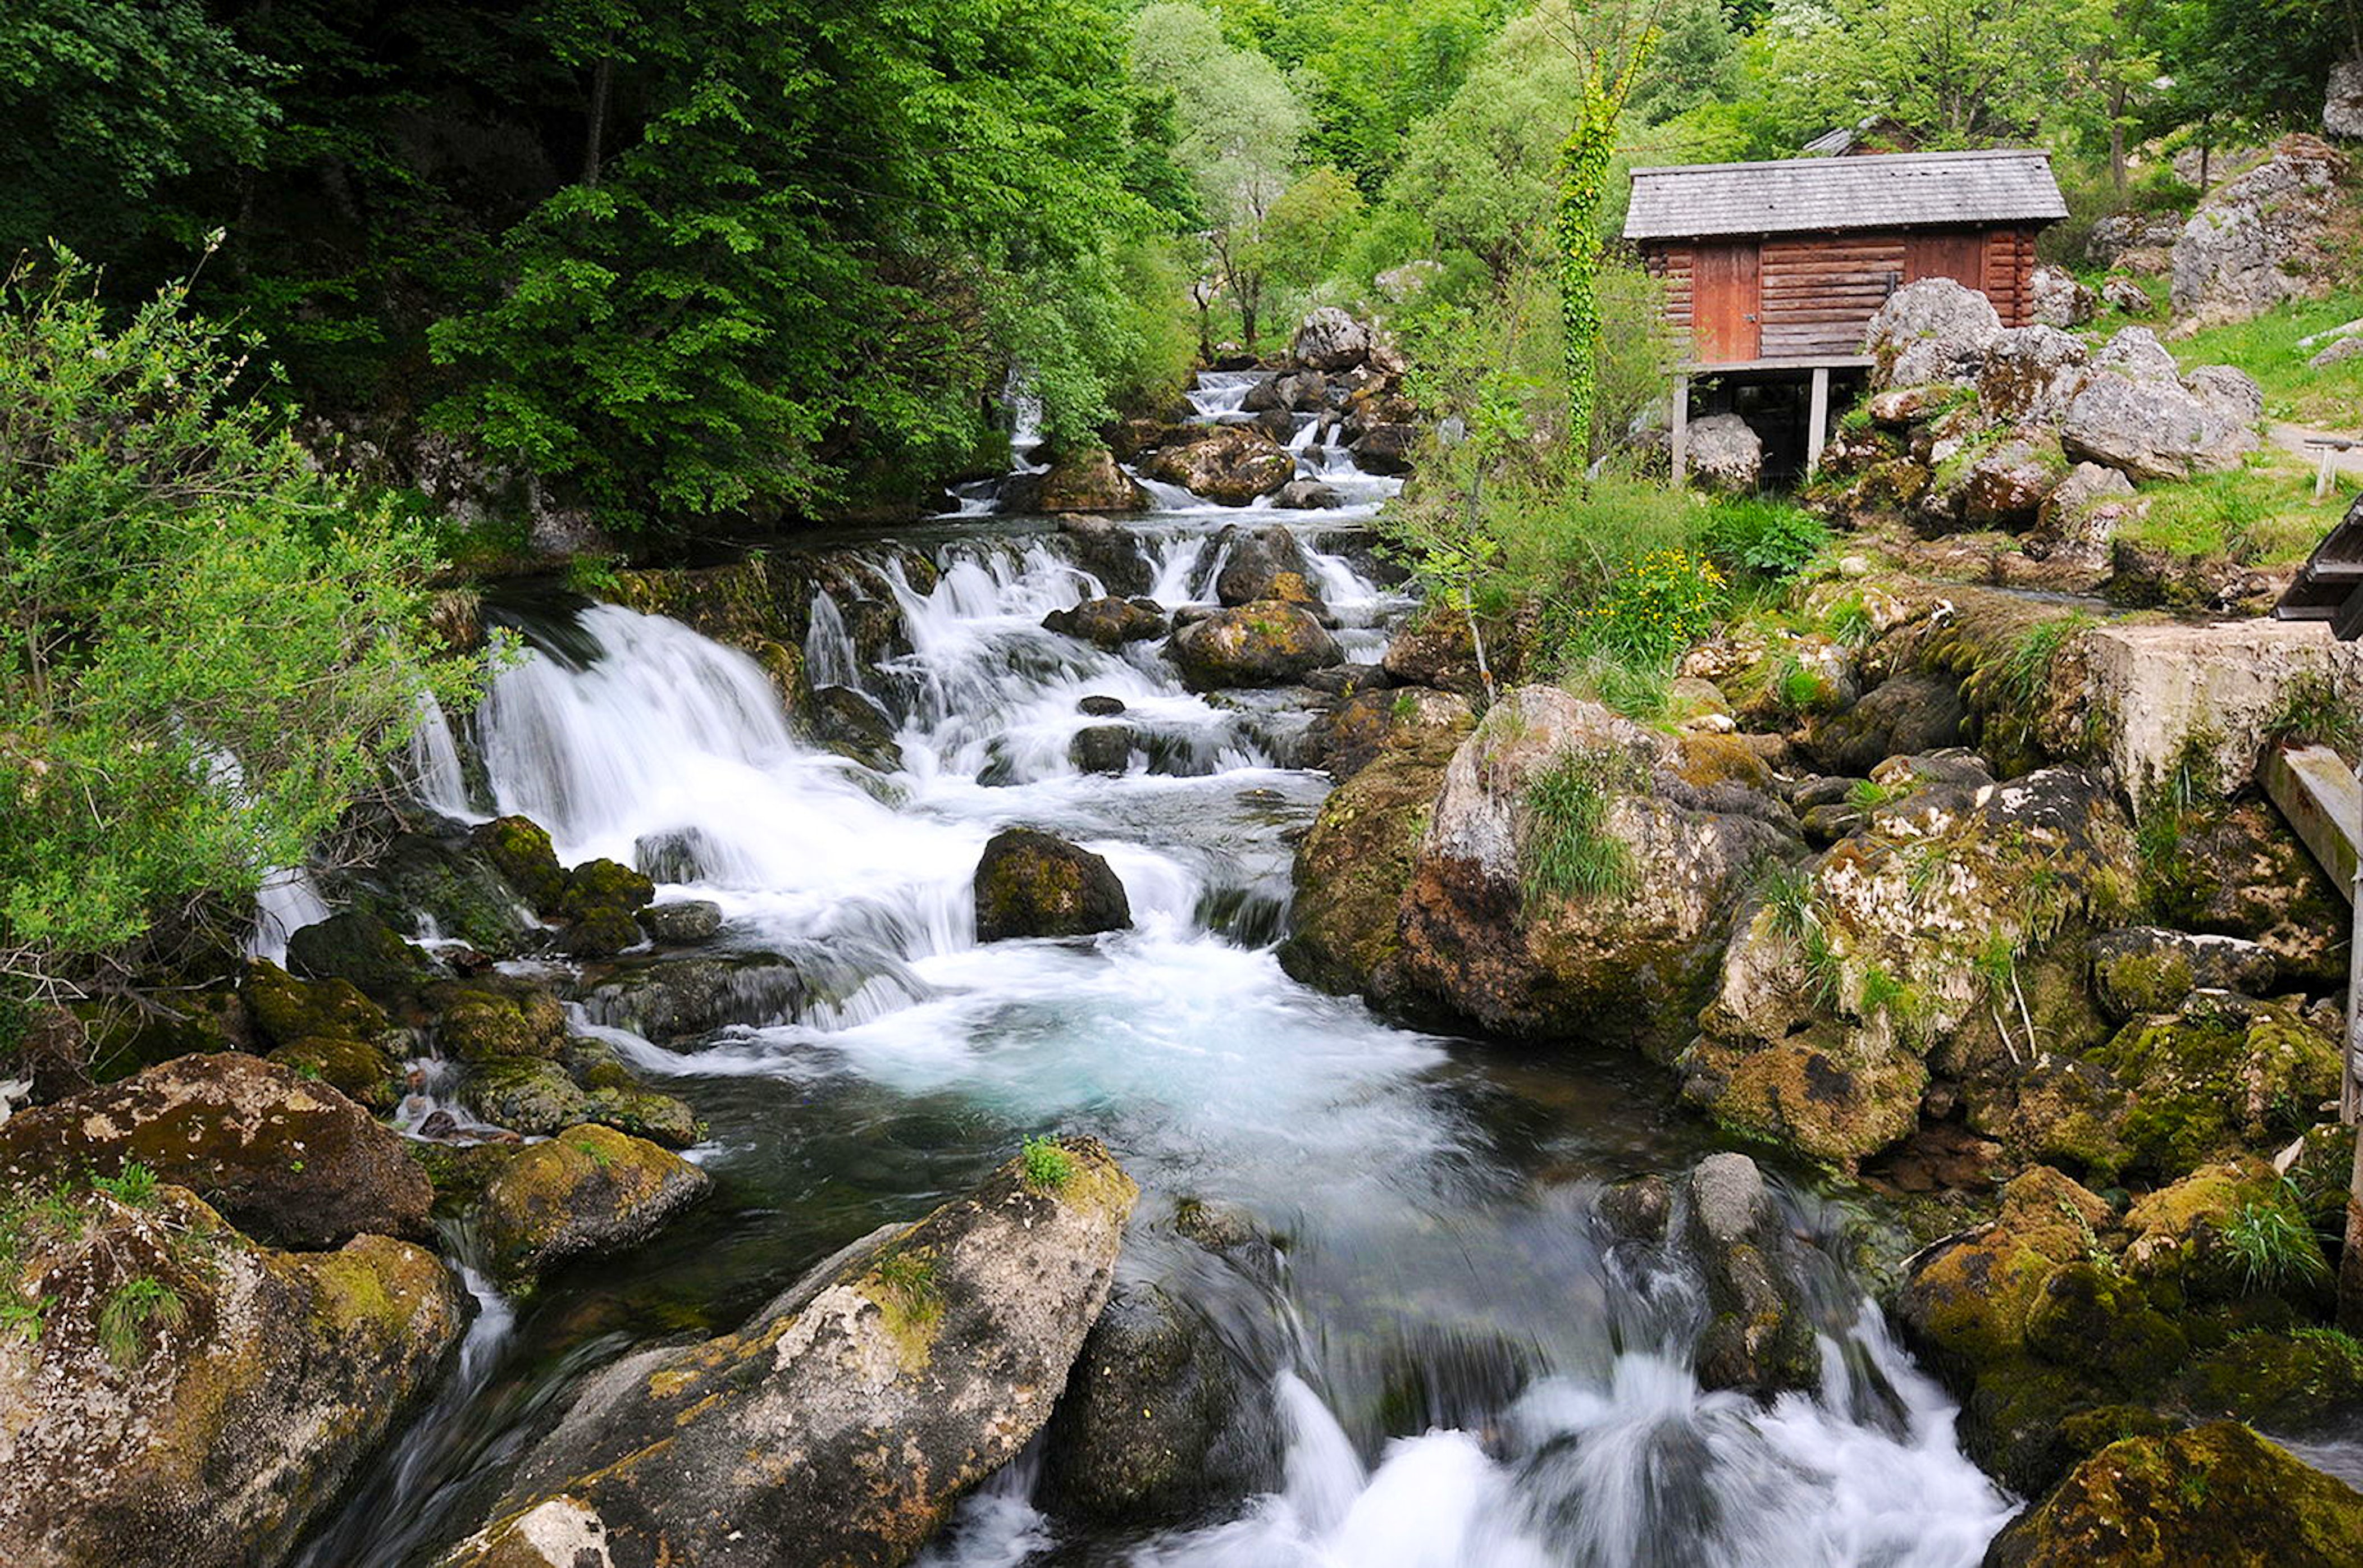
(1779, 408)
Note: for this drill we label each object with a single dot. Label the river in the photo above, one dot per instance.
(1451, 1360)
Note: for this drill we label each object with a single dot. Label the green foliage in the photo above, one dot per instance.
(1869, 795)
(1765, 537)
(1567, 850)
(1612, 71)
(1659, 605)
(211, 645)
(2313, 711)
(134, 1184)
(2260, 514)
(134, 1313)
(1047, 1167)
(2273, 1247)
(2269, 346)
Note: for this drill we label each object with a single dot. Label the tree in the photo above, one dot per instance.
(1614, 50)
(206, 646)
(105, 103)
(1241, 126)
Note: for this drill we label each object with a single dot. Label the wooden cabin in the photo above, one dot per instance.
(1773, 271)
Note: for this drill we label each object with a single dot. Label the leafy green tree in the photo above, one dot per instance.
(1614, 53)
(209, 647)
(1241, 128)
(106, 101)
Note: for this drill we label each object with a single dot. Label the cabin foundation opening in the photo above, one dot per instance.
(1793, 408)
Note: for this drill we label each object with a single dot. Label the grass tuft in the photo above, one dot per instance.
(1568, 850)
(138, 1309)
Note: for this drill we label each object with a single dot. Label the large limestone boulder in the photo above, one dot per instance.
(1270, 643)
(844, 1420)
(194, 1400)
(1840, 985)
(2341, 102)
(1328, 339)
(1726, 453)
(2147, 699)
(2061, 299)
(1034, 884)
(1352, 868)
(1228, 464)
(2217, 1495)
(2030, 374)
(2135, 413)
(2263, 238)
(1912, 713)
(1089, 480)
(1354, 732)
(1933, 330)
(292, 1161)
(1572, 878)
(589, 1190)
(2145, 970)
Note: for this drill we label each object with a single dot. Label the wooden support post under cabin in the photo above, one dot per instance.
(1818, 426)
(1682, 429)
(2350, 1256)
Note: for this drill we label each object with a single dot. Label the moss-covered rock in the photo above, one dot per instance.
(287, 1009)
(194, 1400)
(1034, 884)
(1570, 881)
(493, 1018)
(362, 1072)
(600, 886)
(2236, 870)
(444, 876)
(120, 1037)
(523, 1094)
(520, 851)
(363, 949)
(2217, 1496)
(291, 1160)
(1933, 939)
(2224, 1075)
(843, 1421)
(2144, 969)
(660, 1117)
(1352, 867)
(587, 1191)
(1265, 644)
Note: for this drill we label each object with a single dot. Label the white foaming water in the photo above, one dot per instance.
(287, 901)
(1209, 1071)
(436, 776)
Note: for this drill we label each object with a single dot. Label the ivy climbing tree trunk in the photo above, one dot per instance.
(1608, 83)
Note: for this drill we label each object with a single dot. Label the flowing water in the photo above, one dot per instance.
(1449, 1360)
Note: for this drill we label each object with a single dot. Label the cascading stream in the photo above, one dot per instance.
(1456, 1365)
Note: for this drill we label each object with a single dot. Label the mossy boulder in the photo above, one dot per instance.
(445, 876)
(2307, 1380)
(525, 1094)
(1084, 479)
(2140, 970)
(2215, 1497)
(1266, 643)
(364, 1073)
(1034, 884)
(1570, 881)
(843, 1421)
(2224, 1075)
(679, 922)
(1936, 940)
(291, 1160)
(1228, 464)
(520, 851)
(287, 1009)
(598, 905)
(1254, 562)
(496, 1017)
(1352, 867)
(1352, 732)
(360, 948)
(588, 1191)
(194, 1400)
(119, 1038)
(1108, 622)
(1759, 1335)
(1147, 1430)
(2236, 870)
(662, 1118)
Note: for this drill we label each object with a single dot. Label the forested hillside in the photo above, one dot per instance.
(692, 262)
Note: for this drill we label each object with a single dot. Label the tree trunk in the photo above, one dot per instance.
(2118, 140)
(594, 125)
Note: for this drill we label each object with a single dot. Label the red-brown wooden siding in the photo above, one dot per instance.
(1817, 292)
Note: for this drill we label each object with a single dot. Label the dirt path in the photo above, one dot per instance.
(2347, 464)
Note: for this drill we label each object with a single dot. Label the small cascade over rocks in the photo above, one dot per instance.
(1469, 1350)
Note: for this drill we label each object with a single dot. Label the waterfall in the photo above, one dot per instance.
(1458, 1368)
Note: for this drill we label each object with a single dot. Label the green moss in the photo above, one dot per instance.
(520, 851)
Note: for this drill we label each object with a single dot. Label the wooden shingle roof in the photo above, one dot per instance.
(1813, 196)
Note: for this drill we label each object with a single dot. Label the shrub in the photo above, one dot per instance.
(1766, 537)
(1660, 605)
(210, 645)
